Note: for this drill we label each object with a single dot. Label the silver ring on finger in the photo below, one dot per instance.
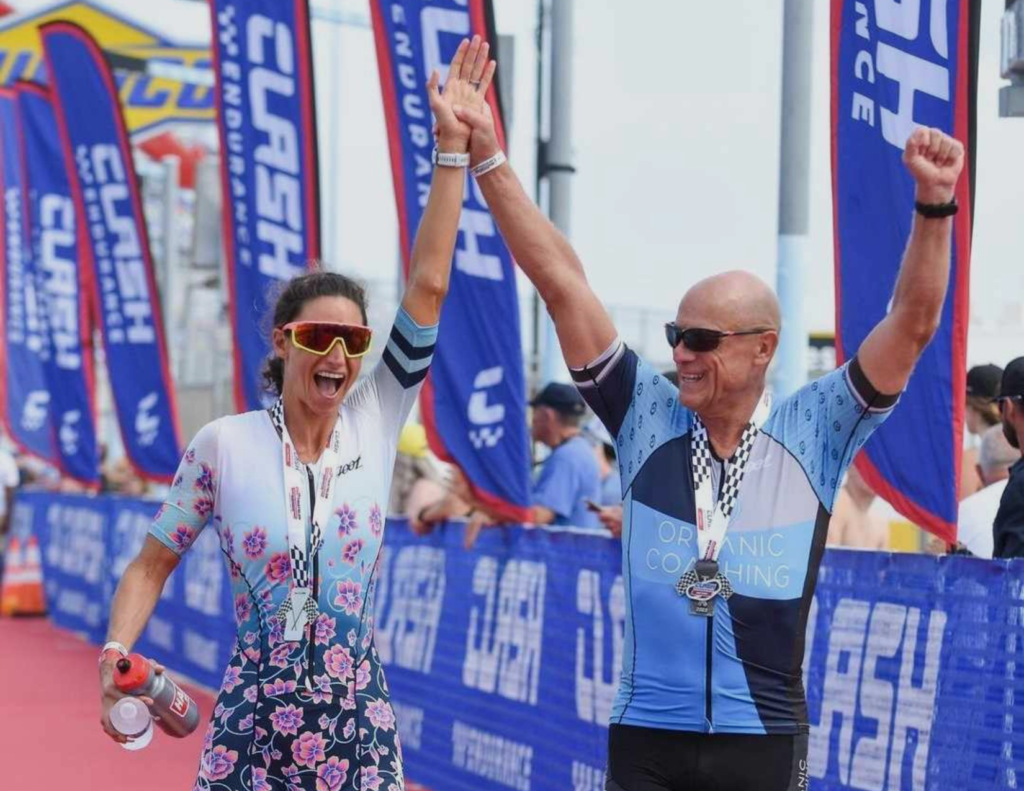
(476, 84)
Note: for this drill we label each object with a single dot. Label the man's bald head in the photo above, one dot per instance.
(735, 300)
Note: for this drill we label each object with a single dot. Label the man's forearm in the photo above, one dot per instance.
(924, 277)
(540, 249)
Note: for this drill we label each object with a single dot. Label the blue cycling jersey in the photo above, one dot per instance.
(739, 671)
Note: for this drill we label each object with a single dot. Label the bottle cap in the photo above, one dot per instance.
(131, 673)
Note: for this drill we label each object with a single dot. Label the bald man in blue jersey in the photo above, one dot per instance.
(726, 495)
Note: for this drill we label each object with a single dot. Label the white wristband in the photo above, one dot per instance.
(449, 160)
(113, 645)
(489, 164)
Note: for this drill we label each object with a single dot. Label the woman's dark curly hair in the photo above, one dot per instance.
(288, 299)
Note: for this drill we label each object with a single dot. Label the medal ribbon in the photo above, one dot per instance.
(713, 519)
(295, 478)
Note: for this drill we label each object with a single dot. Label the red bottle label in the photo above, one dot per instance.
(179, 705)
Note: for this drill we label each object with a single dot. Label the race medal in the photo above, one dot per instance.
(296, 611)
(701, 584)
(704, 582)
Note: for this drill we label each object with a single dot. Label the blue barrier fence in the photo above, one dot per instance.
(503, 661)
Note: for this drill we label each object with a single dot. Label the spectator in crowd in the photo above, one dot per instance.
(121, 478)
(37, 474)
(981, 412)
(853, 524)
(419, 478)
(978, 512)
(607, 466)
(9, 479)
(569, 477)
(1008, 528)
(455, 501)
(610, 512)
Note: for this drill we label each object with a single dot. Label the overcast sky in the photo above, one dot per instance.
(676, 113)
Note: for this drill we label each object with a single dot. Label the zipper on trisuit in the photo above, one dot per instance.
(710, 636)
(314, 555)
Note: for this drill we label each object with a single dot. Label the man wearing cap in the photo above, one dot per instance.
(981, 411)
(1008, 528)
(977, 513)
(610, 513)
(727, 494)
(569, 477)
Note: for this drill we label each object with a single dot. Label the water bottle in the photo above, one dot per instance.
(175, 712)
(131, 718)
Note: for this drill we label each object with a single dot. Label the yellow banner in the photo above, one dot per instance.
(150, 98)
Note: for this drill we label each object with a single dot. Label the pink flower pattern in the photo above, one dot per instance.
(232, 678)
(324, 629)
(376, 520)
(287, 719)
(369, 778)
(218, 763)
(264, 735)
(331, 775)
(279, 567)
(254, 543)
(350, 554)
(346, 520)
(308, 749)
(182, 537)
(380, 714)
(350, 597)
(243, 607)
(338, 662)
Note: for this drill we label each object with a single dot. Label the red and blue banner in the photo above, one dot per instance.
(116, 246)
(269, 172)
(24, 337)
(474, 399)
(896, 66)
(54, 254)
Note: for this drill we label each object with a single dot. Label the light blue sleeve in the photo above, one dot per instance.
(193, 496)
(825, 423)
(655, 416)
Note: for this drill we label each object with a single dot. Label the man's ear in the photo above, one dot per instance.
(768, 343)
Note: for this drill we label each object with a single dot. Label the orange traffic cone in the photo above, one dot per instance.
(32, 600)
(10, 588)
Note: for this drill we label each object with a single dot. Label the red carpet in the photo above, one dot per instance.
(50, 737)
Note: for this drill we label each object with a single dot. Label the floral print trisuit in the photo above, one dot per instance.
(268, 732)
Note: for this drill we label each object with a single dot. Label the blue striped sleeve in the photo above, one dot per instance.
(409, 350)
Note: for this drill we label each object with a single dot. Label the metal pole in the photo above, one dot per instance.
(335, 165)
(536, 309)
(794, 212)
(170, 287)
(557, 163)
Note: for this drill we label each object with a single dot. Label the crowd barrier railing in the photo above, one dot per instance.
(503, 661)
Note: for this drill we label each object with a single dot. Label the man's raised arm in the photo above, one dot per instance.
(891, 350)
(584, 328)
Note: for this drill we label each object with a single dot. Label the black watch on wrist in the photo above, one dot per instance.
(937, 211)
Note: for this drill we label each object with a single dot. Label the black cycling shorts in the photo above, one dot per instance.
(651, 759)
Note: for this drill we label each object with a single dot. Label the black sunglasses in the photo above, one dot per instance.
(698, 339)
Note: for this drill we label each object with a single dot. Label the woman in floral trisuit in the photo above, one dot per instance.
(311, 712)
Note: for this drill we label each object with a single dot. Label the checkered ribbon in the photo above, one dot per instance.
(713, 517)
(300, 564)
(692, 578)
(733, 470)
